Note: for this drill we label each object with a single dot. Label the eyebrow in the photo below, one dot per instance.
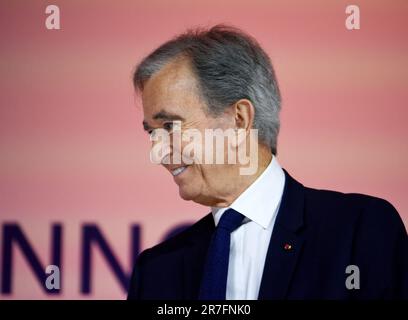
(164, 116)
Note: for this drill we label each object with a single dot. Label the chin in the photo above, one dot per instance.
(188, 194)
(185, 195)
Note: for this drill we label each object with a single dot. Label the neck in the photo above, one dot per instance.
(239, 183)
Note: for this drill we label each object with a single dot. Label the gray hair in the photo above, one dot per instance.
(229, 65)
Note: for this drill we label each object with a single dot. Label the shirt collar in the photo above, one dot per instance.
(260, 201)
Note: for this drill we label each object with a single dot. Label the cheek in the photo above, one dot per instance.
(192, 152)
(206, 175)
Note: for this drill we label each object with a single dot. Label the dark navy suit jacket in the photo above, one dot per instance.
(327, 231)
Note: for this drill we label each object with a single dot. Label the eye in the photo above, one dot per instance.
(168, 126)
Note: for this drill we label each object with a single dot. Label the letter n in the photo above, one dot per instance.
(92, 234)
(12, 233)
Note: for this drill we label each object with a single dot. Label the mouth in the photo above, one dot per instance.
(178, 171)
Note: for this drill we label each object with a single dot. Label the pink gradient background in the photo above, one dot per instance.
(72, 149)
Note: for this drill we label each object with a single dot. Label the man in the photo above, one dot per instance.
(267, 236)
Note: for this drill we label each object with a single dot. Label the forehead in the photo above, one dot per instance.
(173, 87)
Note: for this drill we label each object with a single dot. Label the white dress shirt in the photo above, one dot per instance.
(259, 203)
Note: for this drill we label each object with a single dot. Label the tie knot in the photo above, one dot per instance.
(230, 220)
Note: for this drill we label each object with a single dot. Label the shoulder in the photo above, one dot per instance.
(351, 209)
(201, 228)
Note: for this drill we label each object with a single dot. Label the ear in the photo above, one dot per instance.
(244, 114)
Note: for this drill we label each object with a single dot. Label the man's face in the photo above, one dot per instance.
(172, 95)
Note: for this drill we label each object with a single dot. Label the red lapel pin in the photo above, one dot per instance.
(287, 247)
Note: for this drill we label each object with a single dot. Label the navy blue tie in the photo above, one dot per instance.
(214, 281)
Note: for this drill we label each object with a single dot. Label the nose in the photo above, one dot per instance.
(160, 152)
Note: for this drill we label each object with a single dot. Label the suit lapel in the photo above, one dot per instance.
(194, 258)
(285, 244)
